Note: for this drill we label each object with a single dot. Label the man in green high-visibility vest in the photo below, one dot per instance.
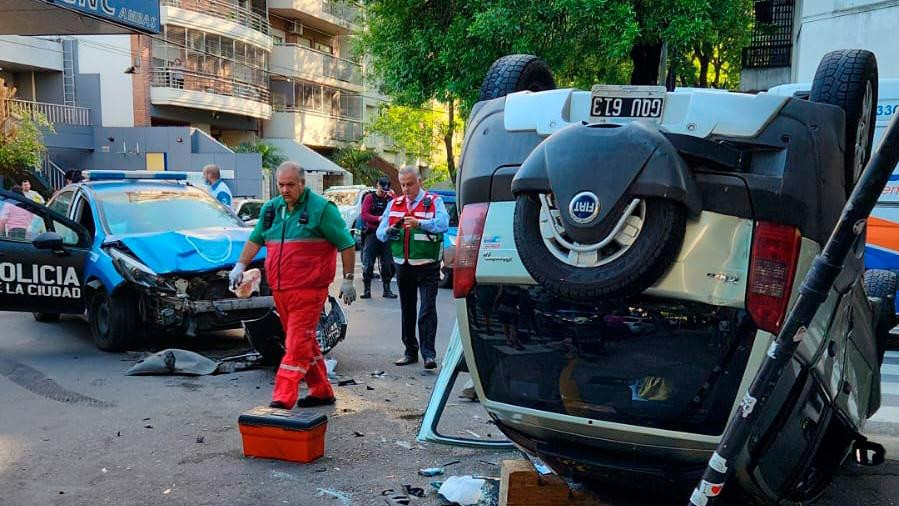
(413, 225)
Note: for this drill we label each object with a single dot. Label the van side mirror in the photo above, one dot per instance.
(48, 240)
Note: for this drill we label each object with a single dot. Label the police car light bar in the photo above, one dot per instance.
(118, 175)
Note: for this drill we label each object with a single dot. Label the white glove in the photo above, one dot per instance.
(236, 275)
(348, 291)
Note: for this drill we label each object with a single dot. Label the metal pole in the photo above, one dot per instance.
(824, 271)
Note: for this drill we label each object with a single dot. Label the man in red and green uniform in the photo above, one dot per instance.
(302, 232)
(413, 225)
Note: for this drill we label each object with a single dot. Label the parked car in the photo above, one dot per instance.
(248, 209)
(449, 238)
(348, 200)
(699, 208)
(134, 251)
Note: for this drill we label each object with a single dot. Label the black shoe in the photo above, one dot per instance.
(311, 402)
(430, 363)
(388, 294)
(278, 405)
(406, 360)
(365, 294)
(366, 290)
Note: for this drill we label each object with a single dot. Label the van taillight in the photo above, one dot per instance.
(775, 251)
(468, 243)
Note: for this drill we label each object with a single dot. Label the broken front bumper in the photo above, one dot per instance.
(192, 315)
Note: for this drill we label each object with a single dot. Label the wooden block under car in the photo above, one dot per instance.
(522, 485)
(273, 433)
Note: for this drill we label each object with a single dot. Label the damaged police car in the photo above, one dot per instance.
(134, 251)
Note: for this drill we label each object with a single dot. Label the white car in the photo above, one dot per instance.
(248, 209)
(348, 200)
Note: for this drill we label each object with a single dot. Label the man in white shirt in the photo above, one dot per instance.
(31, 194)
(213, 176)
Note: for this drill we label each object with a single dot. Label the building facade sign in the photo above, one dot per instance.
(142, 15)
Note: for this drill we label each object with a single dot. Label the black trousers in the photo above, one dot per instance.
(373, 249)
(415, 280)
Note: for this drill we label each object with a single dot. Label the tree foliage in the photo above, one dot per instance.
(425, 50)
(271, 154)
(420, 133)
(21, 138)
(356, 160)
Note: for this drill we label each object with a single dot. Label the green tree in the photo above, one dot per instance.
(419, 132)
(426, 50)
(357, 160)
(21, 137)
(271, 154)
(715, 59)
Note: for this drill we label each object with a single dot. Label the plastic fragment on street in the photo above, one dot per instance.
(340, 496)
(331, 365)
(174, 361)
(462, 490)
(431, 471)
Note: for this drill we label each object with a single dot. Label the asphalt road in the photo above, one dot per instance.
(75, 431)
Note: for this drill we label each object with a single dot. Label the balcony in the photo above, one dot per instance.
(313, 128)
(347, 11)
(301, 61)
(197, 90)
(219, 17)
(332, 16)
(56, 114)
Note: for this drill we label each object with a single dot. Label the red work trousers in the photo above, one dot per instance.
(300, 310)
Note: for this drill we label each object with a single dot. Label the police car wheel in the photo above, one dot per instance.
(113, 320)
(635, 255)
(46, 317)
(848, 79)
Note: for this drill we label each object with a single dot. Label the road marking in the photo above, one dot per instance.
(889, 369)
(889, 388)
(886, 414)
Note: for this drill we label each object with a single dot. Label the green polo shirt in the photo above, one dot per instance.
(325, 222)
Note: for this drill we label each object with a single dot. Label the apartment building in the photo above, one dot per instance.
(232, 70)
(791, 36)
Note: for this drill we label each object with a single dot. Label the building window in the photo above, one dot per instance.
(772, 35)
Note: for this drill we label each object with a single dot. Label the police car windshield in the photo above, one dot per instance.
(149, 210)
(342, 197)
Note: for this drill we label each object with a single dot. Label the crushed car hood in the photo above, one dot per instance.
(189, 250)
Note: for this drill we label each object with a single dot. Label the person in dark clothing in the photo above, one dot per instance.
(373, 206)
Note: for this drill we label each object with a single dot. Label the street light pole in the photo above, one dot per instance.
(824, 271)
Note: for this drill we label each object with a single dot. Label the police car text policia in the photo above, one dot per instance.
(42, 280)
(302, 232)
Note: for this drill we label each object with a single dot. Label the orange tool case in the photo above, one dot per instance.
(273, 433)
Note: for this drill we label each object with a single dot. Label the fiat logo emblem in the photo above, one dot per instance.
(584, 207)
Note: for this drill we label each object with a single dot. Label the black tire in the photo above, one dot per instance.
(516, 72)
(446, 276)
(635, 270)
(882, 284)
(842, 79)
(113, 320)
(46, 317)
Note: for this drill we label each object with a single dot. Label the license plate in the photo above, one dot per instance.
(610, 102)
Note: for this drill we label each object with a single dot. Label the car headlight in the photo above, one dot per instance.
(135, 271)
